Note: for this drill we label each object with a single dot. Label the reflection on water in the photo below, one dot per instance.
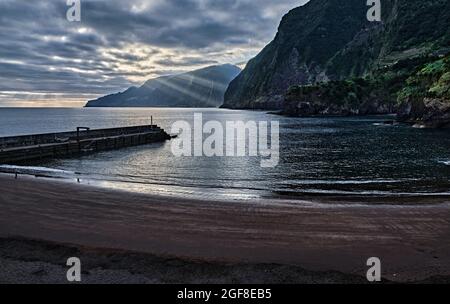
(317, 155)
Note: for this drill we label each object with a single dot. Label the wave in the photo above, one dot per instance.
(386, 124)
(367, 193)
(30, 170)
(445, 162)
(348, 182)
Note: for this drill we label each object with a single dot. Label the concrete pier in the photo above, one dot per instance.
(21, 149)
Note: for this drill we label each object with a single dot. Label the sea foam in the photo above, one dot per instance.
(34, 170)
(445, 162)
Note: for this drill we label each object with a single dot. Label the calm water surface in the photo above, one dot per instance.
(317, 156)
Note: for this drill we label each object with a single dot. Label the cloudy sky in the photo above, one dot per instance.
(45, 60)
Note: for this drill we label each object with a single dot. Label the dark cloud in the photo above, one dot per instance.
(120, 43)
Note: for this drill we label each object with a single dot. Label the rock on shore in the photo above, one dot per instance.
(426, 113)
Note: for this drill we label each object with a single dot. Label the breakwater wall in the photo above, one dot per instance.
(20, 149)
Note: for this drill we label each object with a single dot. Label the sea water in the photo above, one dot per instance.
(318, 156)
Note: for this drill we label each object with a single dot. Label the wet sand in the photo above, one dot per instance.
(321, 236)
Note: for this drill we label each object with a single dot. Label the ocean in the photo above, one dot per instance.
(318, 156)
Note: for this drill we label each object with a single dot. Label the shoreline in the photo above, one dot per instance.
(411, 240)
(307, 199)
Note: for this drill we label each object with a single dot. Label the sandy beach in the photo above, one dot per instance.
(130, 237)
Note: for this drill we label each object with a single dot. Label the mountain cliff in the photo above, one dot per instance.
(199, 88)
(332, 40)
(417, 89)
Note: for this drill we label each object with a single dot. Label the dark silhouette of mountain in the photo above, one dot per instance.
(200, 88)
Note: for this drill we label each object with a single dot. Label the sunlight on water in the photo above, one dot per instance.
(317, 156)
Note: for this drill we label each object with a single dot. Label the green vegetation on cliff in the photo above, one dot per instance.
(412, 87)
(432, 80)
(331, 40)
(308, 37)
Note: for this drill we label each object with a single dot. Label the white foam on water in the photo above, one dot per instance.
(348, 182)
(33, 170)
(374, 192)
(445, 162)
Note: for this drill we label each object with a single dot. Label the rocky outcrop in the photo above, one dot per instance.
(305, 109)
(425, 96)
(426, 113)
(325, 100)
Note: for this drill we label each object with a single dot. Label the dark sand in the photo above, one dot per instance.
(187, 241)
(30, 262)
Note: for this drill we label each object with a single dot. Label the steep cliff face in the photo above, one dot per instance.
(409, 28)
(308, 37)
(199, 88)
(332, 40)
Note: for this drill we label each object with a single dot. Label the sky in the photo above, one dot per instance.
(45, 60)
